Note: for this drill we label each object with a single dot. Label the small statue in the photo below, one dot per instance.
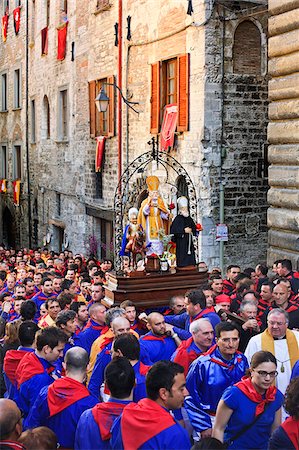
(153, 215)
(133, 242)
(183, 228)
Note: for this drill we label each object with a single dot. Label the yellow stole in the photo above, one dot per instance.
(154, 219)
(268, 345)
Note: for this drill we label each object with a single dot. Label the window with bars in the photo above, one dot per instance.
(17, 89)
(46, 119)
(17, 163)
(63, 115)
(33, 119)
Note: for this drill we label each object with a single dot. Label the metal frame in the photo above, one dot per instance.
(122, 202)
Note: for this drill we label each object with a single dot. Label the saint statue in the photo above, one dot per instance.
(153, 216)
(183, 228)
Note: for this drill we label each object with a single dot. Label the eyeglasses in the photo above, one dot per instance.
(264, 374)
(271, 322)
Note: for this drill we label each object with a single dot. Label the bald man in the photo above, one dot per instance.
(119, 325)
(59, 406)
(10, 425)
(158, 344)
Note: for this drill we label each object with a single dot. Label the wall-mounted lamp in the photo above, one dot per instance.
(102, 100)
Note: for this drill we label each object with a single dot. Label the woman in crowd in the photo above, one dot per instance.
(287, 435)
(251, 409)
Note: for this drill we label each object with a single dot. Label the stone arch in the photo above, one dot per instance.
(247, 49)
(46, 119)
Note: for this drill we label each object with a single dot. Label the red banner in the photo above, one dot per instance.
(168, 126)
(4, 23)
(44, 35)
(100, 153)
(61, 42)
(17, 18)
(16, 192)
(3, 186)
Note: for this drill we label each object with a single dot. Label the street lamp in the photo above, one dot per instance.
(102, 100)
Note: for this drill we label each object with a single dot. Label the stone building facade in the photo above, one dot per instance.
(283, 131)
(203, 61)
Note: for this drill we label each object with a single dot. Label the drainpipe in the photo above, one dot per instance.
(119, 83)
(222, 150)
(27, 123)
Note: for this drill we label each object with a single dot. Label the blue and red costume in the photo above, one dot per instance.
(139, 390)
(228, 287)
(246, 404)
(286, 436)
(91, 332)
(94, 427)
(208, 377)
(33, 373)
(147, 425)
(138, 327)
(181, 322)
(157, 347)
(11, 361)
(39, 299)
(295, 371)
(186, 353)
(59, 407)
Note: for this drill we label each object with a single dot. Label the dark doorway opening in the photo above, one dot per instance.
(9, 229)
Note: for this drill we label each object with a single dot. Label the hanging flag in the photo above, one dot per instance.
(61, 41)
(3, 186)
(16, 192)
(100, 153)
(4, 27)
(44, 35)
(168, 126)
(17, 18)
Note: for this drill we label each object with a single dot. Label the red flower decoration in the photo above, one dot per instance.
(153, 255)
(198, 227)
(172, 244)
(171, 206)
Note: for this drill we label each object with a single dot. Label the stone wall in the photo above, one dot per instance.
(283, 131)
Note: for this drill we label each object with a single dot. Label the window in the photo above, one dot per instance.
(4, 92)
(17, 89)
(58, 204)
(170, 84)
(247, 49)
(33, 137)
(63, 5)
(182, 187)
(17, 163)
(63, 115)
(3, 167)
(102, 124)
(98, 185)
(46, 122)
(17, 3)
(5, 7)
(32, 35)
(48, 13)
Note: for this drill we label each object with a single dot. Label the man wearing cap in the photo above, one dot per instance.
(153, 216)
(183, 228)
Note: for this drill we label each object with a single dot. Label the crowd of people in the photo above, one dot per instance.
(216, 368)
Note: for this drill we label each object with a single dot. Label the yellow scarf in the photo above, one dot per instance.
(268, 345)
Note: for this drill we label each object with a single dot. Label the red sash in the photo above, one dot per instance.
(29, 366)
(218, 361)
(202, 312)
(246, 386)
(143, 420)
(104, 415)
(65, 392)
(102, 328)
(185, 358)
(291, 427)
(11, 361)
(143, 369)
(151, 337)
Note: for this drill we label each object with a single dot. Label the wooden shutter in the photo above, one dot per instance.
(92, 108)
(155, 98)
(111, 107)
(183, 92)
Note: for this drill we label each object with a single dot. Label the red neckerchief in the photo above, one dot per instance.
(185, 358)
(151, 337)
(228, 287)
(246, 386)
(29, 366)
(167, 312)
(143, 420)
(202, 312)
(12, 445)
(290, 308)
(11, 361)
(102, 328)
(65, 392)
(143, 369)
(291, 427)
(218, 361)
(104, 415)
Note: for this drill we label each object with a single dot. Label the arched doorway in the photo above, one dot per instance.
(9, 228)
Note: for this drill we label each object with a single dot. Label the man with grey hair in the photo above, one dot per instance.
(250, 327)
(281, 342)
(176, 305)
(60, 406)
(200, 341)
